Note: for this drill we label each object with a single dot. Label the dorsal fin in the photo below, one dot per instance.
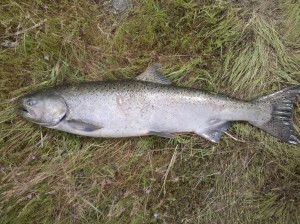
(152, 74)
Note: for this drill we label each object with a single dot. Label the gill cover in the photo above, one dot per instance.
(55, 108)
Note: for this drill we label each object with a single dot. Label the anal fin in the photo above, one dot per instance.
(214, 132)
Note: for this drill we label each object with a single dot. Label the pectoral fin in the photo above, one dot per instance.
(82, 126)
(214, 132)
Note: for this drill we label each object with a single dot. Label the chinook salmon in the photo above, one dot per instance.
(151, 105)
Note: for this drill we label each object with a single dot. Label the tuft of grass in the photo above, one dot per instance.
(245, 50)
(291, 18)
(262, 61)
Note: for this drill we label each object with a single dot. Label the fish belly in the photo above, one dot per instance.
(144, 116)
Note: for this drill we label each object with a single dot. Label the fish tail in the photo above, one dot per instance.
(280, 124)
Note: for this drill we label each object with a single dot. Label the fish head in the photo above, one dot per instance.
(46, 109)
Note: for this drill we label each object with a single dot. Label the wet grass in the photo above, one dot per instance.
(244, 50)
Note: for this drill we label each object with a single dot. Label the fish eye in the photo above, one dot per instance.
(31, 102)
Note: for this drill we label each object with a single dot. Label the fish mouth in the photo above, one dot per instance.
(23, 111)
(21, 108)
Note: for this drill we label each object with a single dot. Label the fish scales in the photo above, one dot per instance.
(140, 107)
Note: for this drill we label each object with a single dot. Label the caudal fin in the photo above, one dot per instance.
(280, 125)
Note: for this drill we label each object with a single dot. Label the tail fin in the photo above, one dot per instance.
(280, 125)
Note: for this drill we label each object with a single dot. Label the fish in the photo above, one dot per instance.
(151, 105)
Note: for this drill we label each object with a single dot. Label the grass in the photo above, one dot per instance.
(244, 50)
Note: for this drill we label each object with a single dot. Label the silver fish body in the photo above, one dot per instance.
(150, 105)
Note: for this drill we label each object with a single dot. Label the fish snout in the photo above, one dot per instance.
(21, 109)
